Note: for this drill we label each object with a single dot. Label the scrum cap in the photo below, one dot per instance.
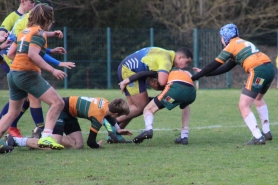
(228, 32)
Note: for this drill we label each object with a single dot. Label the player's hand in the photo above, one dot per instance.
(124, 132)
(196, 69)
(68, 65)
(4, 37)
(58, 74)
(58, 50)
(123, 84)
(6, 44)
(59, 34)
(100, 143)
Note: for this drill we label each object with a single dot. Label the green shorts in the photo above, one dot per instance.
(66, 124)
(259, 80)
(177, 93)
(23, 82)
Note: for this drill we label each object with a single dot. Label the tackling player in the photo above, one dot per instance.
(261, 73)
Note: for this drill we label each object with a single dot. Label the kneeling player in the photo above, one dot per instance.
(93, 109)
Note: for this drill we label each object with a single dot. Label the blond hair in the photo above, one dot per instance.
(41, 15)
(119, 106)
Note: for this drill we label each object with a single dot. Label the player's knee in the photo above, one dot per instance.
(60, 104)
(78, 146)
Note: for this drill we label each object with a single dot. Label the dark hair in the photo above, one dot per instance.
(45, 2)
(119, 106)
(186, 52)
(41, 15)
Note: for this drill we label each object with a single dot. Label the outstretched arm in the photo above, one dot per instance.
(223, 69)
(208, 69)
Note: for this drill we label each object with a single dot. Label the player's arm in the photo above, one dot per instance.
(56, 33)
(137, 76)
(223, 68)
(91, 141)
(207, 69)
(162, 78)
(12, 51)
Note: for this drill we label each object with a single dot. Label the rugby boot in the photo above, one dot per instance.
(37, 133)
(14, 132)
(117, 138)
(255, 141)
(267, 136)
(148, 134)
(183, 141)
(9, 139)
(4, 148)
(49, 142)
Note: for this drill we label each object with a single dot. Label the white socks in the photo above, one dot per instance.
(20, 141)
(251, 122)
(184, 132)
(46, 132)
(263, 114)
(148, 118)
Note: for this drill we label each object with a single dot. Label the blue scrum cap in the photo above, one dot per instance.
(228, 32)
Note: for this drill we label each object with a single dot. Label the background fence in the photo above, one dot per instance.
(98, 52)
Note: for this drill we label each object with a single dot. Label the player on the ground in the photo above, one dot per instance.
(25, 77)
(261, 73)
(93, 109)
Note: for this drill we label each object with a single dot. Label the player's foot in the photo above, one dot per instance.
(148, 134)
(255, 141)
(267, 136)
(49, 142)
(37, 133)
(4, 148)
(9, 139)
(183, 141)
(117, 140)
(14, 132)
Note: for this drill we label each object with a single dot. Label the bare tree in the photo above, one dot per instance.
(252, 17)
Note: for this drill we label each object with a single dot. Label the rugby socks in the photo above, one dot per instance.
(184, 132)
(148, 118)
(24, 108)
(37, 116)
(4, 110)
(47, 132)
(263, 114)
(20, 141)
(251, 122)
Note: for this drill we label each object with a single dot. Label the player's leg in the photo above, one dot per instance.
(263, 114)
(13, 130)
(37, 115)
(41, 89)
(257, 83)
(73, 138)
(148, 114)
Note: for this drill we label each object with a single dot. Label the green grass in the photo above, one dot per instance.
(215, 154)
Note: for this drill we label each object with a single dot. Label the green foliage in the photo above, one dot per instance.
(215, 154)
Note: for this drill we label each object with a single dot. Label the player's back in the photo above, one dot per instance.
(88, 107)
(178, 75)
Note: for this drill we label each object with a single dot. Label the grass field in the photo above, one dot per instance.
(215, 154)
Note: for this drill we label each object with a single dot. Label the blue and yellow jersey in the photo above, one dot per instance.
(151, 58)
(93, 109)
(9, 22)
(244, 53)
(21, 24)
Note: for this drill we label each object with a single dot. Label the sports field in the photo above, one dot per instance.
(215, 154)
